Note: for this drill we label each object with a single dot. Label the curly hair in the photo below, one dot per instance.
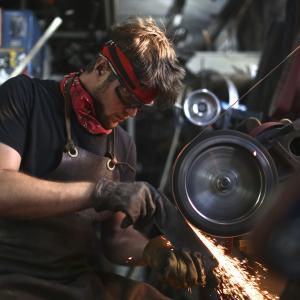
(152, 55)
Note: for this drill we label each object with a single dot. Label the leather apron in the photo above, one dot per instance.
(55, 258)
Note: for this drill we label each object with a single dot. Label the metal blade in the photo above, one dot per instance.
(173, 226)
(171, 223)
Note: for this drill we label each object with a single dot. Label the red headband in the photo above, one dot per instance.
(125, 71)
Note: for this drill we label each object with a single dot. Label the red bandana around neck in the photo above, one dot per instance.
(83, 105)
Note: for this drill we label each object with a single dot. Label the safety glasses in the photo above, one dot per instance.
(127, 99)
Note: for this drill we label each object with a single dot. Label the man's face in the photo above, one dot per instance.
(110, 109)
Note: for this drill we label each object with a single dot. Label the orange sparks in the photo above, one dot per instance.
(234, 279)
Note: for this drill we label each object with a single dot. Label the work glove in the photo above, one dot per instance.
(135, 199)
(178, 268)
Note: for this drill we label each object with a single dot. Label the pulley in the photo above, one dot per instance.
(202, 107)
(221, 181)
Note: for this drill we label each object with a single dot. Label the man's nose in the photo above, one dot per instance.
(131, 111)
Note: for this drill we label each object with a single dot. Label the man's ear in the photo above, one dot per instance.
(101, 67)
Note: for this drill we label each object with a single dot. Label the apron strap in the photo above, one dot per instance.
(111, 153)
(110, 145)
(70, 147)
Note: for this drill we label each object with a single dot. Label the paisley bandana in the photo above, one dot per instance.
(83, 105)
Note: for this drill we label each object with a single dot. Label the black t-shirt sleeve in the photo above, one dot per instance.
(15, 106)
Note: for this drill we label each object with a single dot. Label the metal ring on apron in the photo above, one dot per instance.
(111, 164)
(73, 152)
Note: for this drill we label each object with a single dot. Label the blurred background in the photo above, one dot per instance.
(226, 47)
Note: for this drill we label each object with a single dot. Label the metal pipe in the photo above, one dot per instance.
(39, 44)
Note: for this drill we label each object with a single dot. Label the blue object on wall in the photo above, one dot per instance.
(21, 30)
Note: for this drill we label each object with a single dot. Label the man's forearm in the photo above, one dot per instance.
(23, 196)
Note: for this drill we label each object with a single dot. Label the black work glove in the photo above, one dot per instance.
(135, 199)
(178, 268)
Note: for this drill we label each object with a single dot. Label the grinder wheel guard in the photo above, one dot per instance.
(221, 182)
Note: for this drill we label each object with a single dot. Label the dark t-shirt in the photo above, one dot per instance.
(32, 122)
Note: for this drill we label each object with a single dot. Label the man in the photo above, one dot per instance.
(65, 172)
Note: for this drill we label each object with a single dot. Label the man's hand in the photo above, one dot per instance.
(135, 199)
(178, 268)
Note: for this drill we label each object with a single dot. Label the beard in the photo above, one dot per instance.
(98, 94)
